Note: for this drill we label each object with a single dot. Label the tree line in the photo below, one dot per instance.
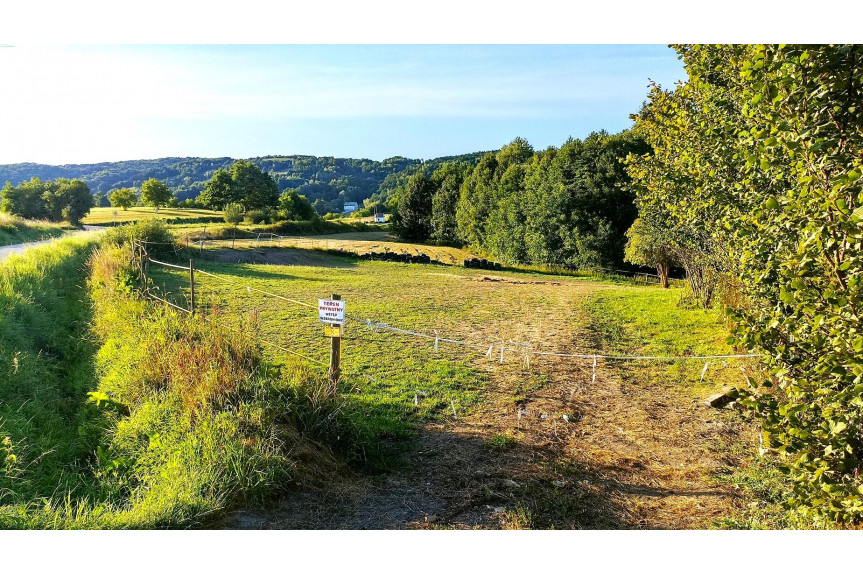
(328, 182)
(568, 206)
(54, 200)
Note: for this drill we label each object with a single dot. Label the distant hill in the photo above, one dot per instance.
(326, 180)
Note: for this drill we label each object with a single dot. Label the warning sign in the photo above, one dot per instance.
(333, 330)
(331, 311)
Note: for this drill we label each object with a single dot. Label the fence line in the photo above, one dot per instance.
(214, 322)
(250, 288)
(521, 350)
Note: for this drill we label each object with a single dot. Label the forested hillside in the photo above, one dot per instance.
(326, 181)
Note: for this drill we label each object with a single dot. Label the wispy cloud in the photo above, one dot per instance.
(108, 98)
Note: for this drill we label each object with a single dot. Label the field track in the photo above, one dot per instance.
(636, 449)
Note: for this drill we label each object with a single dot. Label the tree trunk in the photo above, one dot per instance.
(662, 272)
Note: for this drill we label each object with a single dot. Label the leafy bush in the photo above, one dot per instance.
(233, 213)
(263, 216)
(761, 155)
(154, 233)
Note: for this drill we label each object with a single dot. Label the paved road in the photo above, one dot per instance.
(18, 248)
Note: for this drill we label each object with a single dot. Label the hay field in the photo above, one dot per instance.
(106, 216)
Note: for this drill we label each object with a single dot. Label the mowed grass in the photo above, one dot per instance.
(357, 242)
(654, 322)
(105, 216)
(403, 374)
(398, 378)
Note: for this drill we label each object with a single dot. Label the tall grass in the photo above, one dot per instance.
(15, 230)
(115, 413)
(45, 372)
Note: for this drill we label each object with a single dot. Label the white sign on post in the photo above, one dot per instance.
(331, 311)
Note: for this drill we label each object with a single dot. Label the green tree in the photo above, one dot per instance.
(155, 193)
(649, 244)
(123, 198)
(295, 206)
(233, 213)
(61, 199)
(218, 191)
(412, 220)
(253, 188)
(448, 180)
(25, 199)
(68, 200)
(244, 184)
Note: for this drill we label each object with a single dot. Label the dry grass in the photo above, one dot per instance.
(99, 216)
(358, 242)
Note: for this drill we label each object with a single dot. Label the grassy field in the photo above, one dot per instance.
(206, 420)
(106, 216)
(15, 230)
(640, 423)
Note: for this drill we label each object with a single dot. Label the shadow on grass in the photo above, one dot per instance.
(449, 481)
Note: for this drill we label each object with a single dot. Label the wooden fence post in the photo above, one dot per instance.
(335, 370)
(191, 287)
(145, 258)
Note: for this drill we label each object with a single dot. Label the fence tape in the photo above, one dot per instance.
(374, 325)
(593, 356)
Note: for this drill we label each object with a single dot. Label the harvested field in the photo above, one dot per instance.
(358, 243)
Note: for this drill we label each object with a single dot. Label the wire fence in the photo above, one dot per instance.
(496, 351)
(490, 349)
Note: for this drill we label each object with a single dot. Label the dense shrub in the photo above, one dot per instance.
(257, 217)
(233, 213)
(154, 233)
(759, 157)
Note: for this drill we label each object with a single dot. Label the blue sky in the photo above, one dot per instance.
(82, 104)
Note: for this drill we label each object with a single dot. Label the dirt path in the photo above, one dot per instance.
(623, 452)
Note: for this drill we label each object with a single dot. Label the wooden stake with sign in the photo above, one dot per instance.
(332, 313)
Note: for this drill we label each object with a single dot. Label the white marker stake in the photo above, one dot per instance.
(488, 353)
(703, 371)
(435, 340)
(452, 403)
(593, 379)
(416, 400)
(501, 352)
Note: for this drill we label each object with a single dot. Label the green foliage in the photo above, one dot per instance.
(649, 244)
(155, 193)
(295, 207)
(244, 184)
(15, 230)
(154, 233)
(58, 200)
(412, 219)
(218, 192)
(258, 216)
(566, 207)
(448, 180)
(123, 198)
(46, 369)
(233, 213)
(759, 155)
